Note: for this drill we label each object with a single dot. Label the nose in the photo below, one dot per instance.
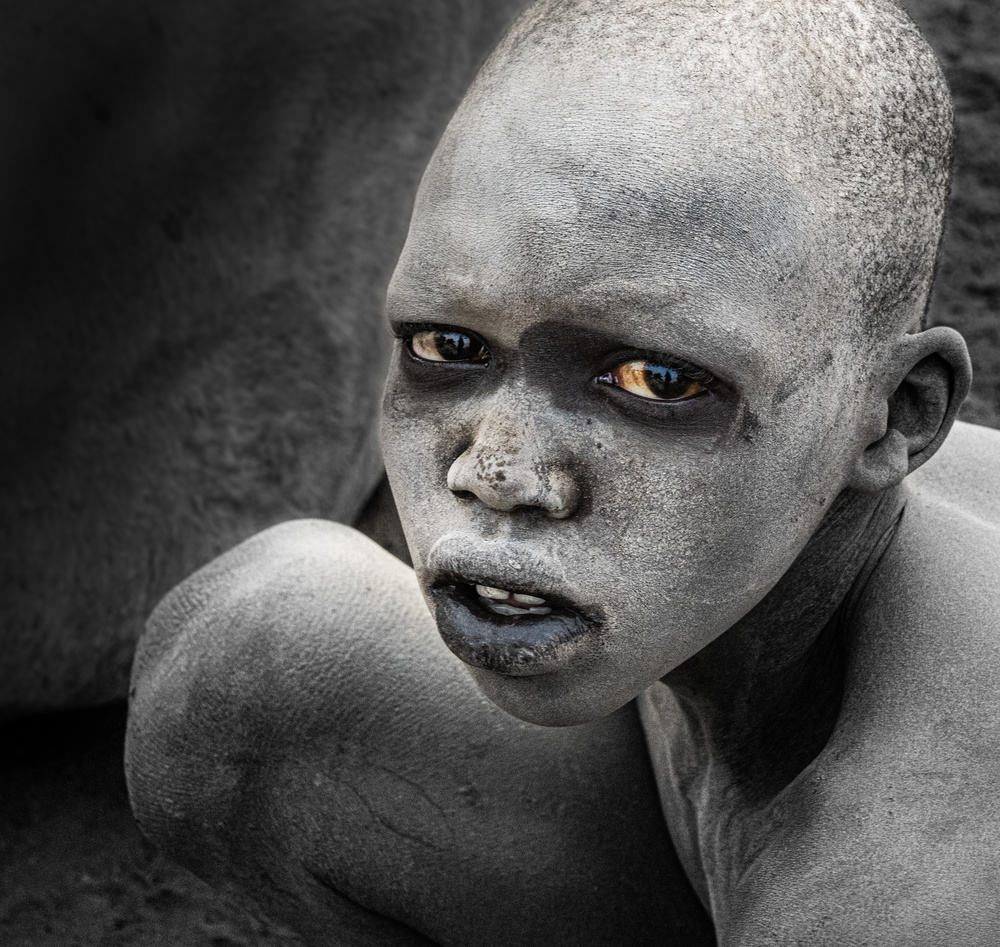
(506, 469)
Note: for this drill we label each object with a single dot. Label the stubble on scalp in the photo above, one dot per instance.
(844, 99)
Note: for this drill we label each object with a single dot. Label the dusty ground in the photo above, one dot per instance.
(74, 871)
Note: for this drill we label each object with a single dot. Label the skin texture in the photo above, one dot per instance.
(300, 735)
(615, 237)
(203, 202)
(889, 831)
(806, 614)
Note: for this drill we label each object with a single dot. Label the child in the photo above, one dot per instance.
(660, 381)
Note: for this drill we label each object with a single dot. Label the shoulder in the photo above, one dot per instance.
(296, 642)
(260, 636)
(926, 629)
(940, 575)
(964, 473)
(291, 577)
(898, 818)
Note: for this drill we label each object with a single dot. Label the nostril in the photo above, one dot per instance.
(464, 494)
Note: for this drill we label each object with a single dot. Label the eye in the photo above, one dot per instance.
(447, 345)
(654, 381)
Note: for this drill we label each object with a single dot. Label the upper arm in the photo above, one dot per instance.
(296, 718)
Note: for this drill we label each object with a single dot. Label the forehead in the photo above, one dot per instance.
(577, 195)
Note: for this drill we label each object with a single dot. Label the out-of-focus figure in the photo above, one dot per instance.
(201, 204)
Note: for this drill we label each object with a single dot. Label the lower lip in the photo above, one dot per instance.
(515, 646)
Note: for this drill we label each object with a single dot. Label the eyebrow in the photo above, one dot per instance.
(667, 324)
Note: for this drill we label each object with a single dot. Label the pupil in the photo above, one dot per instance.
(662, 381)
(453, 345)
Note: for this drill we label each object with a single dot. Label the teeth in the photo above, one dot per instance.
(487, 591)
(500, 595)
(501, 609)
(503, 602)
(505, 609)
(528, 599)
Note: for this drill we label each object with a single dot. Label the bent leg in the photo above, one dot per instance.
(299, 733)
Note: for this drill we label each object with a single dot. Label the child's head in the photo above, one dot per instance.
(660, 302)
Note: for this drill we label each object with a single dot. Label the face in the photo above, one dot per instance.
(616, 410)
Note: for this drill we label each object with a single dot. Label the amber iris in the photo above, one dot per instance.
(444, 345)
(654, 382)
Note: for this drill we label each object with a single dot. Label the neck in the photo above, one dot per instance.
(759, 703)
(742, 718)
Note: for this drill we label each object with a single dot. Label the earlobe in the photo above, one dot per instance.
(934, 374)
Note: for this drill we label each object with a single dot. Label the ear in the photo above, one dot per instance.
(927, 378)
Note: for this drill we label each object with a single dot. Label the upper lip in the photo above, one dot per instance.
(458, 559)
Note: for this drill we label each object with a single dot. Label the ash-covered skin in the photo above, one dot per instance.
(659, 380)
(720, 183)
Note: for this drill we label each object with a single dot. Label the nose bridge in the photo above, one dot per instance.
(513, 461)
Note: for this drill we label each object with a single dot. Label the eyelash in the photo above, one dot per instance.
(407, 331)
(673, 362)
(693, 373)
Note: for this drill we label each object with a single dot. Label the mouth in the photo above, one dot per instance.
(516, 633)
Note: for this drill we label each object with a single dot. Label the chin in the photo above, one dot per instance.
(560, 699)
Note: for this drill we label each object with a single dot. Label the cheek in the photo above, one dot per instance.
(419, 443)
(705, 534)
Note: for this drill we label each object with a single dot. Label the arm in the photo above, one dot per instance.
(299, 734)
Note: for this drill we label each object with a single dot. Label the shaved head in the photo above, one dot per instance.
(837, 107)
(663, 286)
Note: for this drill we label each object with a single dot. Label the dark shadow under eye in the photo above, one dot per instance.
(447, 345)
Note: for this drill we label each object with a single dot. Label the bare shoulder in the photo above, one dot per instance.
(937, 586)
(936, 589)
(926, 631)
(902, 806)
(284, 599)
(965, 472)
